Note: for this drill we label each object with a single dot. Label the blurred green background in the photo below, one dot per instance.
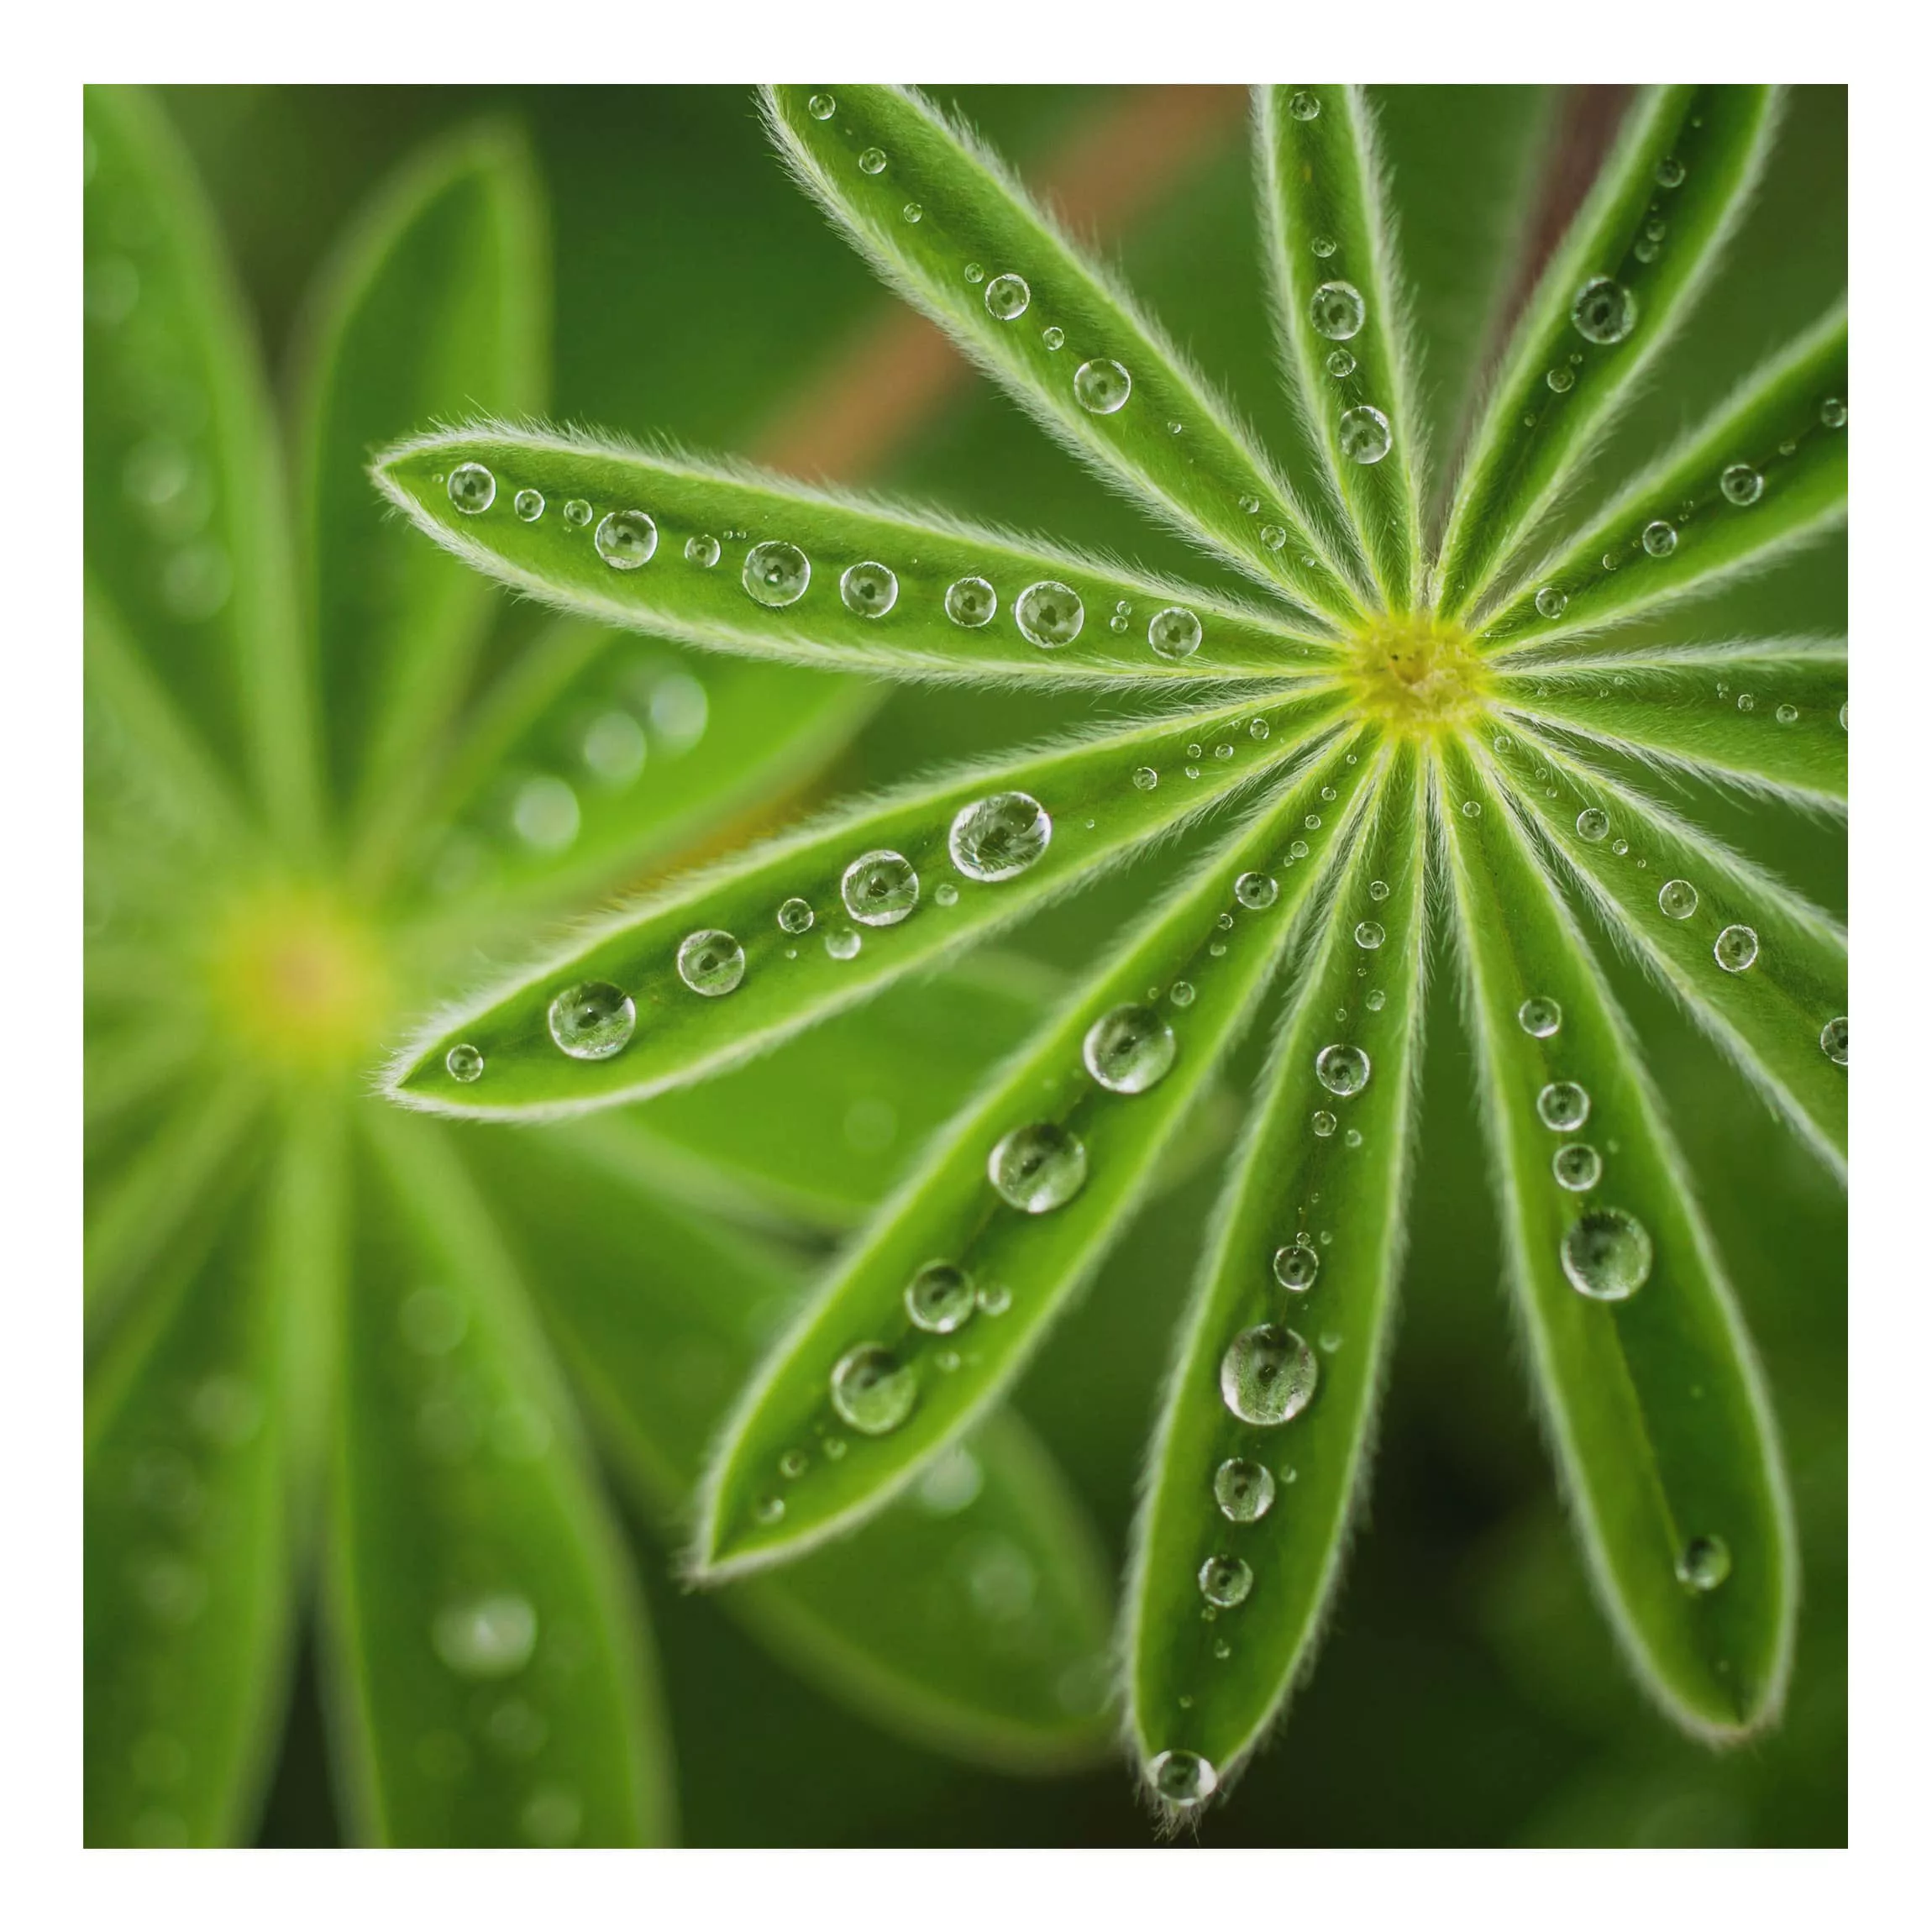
(1468, 1692)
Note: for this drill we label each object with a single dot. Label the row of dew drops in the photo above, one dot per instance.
(1050, 615)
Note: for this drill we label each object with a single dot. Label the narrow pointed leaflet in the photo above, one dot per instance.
(1337, 293)
(1654, 1407)
(946, 224)
(926, 1324)
(1639, 252)
(710, 969)
(1260, 1460)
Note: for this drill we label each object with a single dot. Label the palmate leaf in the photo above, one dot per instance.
(1098, 815)
(863, 1364)
(488, 1658)
(1638, 254)
(973, 1616)
(1339, 316)
(434, 305)
(1766, 472)
(1048, 325)
(1657, 1415)
(729, 558)
(1243, 1520)
(184, 506)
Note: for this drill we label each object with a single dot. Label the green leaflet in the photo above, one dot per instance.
(190, 1544)
(1655, 1409)
(1761, 970)
(489, 1660)
(680, 1033)
(434, 307)
(731, 558)
(1638, 254)
(1330, 1172)
(1049, 325)
(1338, 311)
(974, 1616)
(1763, 716)
(183, 502)
(1766, 471)
(598, 752)
(1090, 1172)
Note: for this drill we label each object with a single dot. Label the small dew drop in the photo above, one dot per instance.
(843, 944)
(1054, 338)
(1037, 1168)
(869, 590)
(711, 962)
(1472, 808)
(704, 551)
(1128, 1049)
(1670, 172)
(1049, 614)
(794, 916)
(1146, 778)
(1101, 386)
(1337, 311)
(1303, 105)
(627, 539)
(1831, 413)
(999, 837)
(1007, 296)
(1225, 1581)
(872, 1389)
(822, 106)
(1593, 824)
(1256, 891)
(487, 1636)
(1735, 949)
(1788, 714)
(1323, 1124)
(872, 160)
(1560, 379)
(1677, 899)
(1369, 935)
(1832, 1040)
(1607, 1255)
(1603, 311)
(1576, 1167)
(472, 489)
(1321, 246)
(577, 513)
(939, 1298)
(1268, 1375)
(1296, 1266)
(1704, 1563)
(1660, 537)
(1742, 485)
(1182, 993)
(1551, 602)
(879, 888)
(1563, 1106)
(593, 1021)
(528, 505)
(464, 1063)
(1363, 433)
(971, 602)
(1175, 633)
(776, 574)
(1243, 1491)
(1343, 1070)
(1539, 1017)
(912, 214)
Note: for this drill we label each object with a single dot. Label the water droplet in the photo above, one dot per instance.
(1833, 1039)
(945, 893)
(872, 160)
(1539, 1017)
(1619, 846)
(627, 539)
(1363, 434)
(1304, 105)
(1704, 1563)
(1336, 311)
(1257, 730)
(822, 106)
(1551, 602)
(999, 837)
(1297, 849)
(1225, 1581)
(1273, 535)
(1563, 1106)
(1670, 172)
(1324, 1124)
(1224, 751)
(995, 1298)
(545, 815)
(872, 1389)
(1378, 890)
(793, 1464)
(1183, 1778)
(487, 1636)
(1146, 778)
(869, 590)
(1742, 485)
(1054, 338)
(974, 274)
(1128, 1049)
(1049, 614)
(1256, 890)
(971, 602)
(1296, 1266)
(1321, 246)
(1660, 539)
(1245, 1491)
(939, 1298)
(1175, 633)
(1677, 899)
(472, 489)
(1604, 310)
(711, 963)
(1037, 1168)
(704, 551)
(1472, 808)
(1343, 1070)
(528, 505)
(1831, 413)
(912, 214)
(593, 1021)
(1268, 1375)
(1560, 379)
(465, 1062)
(577, 513)
(1736, 948)
(1182, 993)
(1006, 297)
(878, 889)
(795, 915)
(776, 574)
(1607, 1255)
(1369, 935)
(1340, 363)
(1101, 386)
(1788, 714)
(769, 1508)
(1746, 701)
(1592, 824)
(843, 944)
(1576, 1167)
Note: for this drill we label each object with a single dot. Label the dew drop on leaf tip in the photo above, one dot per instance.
(592, 1020)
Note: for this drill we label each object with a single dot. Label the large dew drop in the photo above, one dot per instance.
(1607, 1255)
(1343, 1070)
(999, 837)
(1037, 1168)
(1175, 633)
(1181, 1779)
(1364, 434)
(872, 1389)
(776, 574)
(1604, 310)
(971, 602)
(627, 539)
(472, 489)
(870, 590)
(711, 963)
(1007, 296)
(1129, 1049)
(1101, 386)
(1593, 824)
(593, 1021)
(939, 1298)
(1243, 1491)
(880, 888)
(1337, 311)
(1049, 614)
(1225, 1581)
(1268, 1375)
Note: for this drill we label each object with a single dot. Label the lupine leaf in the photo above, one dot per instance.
(184, 506)
(190, 1543)
(435, 305)
(1762, 717)
(1765, 472)
(681, 1034)
(489, 1660)
(1711, 142)
(1772, 1014)
(598, 752)
(979, 246)
(1025, 1265)
(793, 570)
(1339, 314)
(1655, 1409)
(975, 1615)
(1209, 1677)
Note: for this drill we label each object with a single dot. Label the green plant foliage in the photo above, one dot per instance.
(1487, 756)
